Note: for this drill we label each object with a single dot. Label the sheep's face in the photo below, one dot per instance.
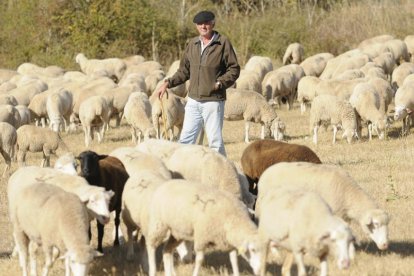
(67, 164)
(98, 205)
(342, 239)
(350, 134)
(278, 129)
(252, 253)
(375, 224)
(400, 113)
(89, 165)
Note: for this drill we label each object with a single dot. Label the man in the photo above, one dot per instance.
(210, 63)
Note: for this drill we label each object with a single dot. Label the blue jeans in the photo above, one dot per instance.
(208, 114)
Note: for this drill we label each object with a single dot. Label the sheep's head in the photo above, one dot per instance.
(278, 129)
(380, 127)
(400, 113)
(89, 165)
(79, 57)
(375, 223)
(67, 164)
(97, 201)
(251, 251)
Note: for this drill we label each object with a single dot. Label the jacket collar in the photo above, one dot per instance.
(216, 39)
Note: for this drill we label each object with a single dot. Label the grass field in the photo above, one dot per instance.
(383, 168)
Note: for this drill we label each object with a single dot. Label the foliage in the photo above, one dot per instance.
(52, 32)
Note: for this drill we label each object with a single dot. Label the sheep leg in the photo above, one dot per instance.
(370, 131)
(87, 132)
(302, 108)
(246, 132)
(287, 264)
(117, 222)
(130, 243)
(21, 158)
(262, 133)
(22, 243)
(151, 259)
(185, 251)
(234, 262)
(263, 260)
(324, 266)
(43, 122)
(198, 262)
(335, 131)
(167, 256)
(300, 264)
(47, 250)
(100, 228)
(315, 135)
(32, 257)
(7, 159)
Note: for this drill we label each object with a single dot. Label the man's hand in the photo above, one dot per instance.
(163, 89)
(217, 85)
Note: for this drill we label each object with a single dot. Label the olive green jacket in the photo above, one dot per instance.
(218, 63)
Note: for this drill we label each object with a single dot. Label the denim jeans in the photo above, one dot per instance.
(208, 114)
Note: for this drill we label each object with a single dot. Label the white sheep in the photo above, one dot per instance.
(294, 54)
(399, 50)
(114, 67)
(354, 62)
(137, 112)
(305, 224)
(133, 60)
(6, 75)
(46, 215)
(153, 79)
(278, 85)
(386, 61)
(260, 65)
(404, 104)
(94, 115)
(66, 163)
(36, 139)
(37, 107)
(409, 41)
(170, 108)
(400, 73)
(339, 88)
(249, 80)
(8, 138)
(249, 106)
(367, 103)
(210, 218)
(134, 80)
(314, 65)
(331, 110)
(8, 99)
(145, 68)
(10, 114)
(350, 74)
(136, 160)
(25, 115)
(345, 197)
(375, 39)
(384, 89)
(179, 90)
(306, 91)
(26, 92)
(59, 109)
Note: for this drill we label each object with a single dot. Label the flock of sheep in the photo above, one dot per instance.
(148, 186)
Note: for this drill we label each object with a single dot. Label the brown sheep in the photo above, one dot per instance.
(261, 154)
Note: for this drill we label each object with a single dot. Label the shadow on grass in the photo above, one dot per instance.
(404, 249)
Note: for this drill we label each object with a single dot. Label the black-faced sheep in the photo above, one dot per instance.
(261, 154)
(108, 172)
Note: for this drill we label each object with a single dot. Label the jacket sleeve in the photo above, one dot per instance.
(232, 67)
(183, 72)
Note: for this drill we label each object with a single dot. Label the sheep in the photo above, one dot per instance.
(375, 39)
(59, 109)
(37, 107)
(137, 112)
(278, 129)
(96, 199)
(94, 114)
(25, 116)
(205, 163)
(135, 81)
(7, 99)
(133, 60)
(294, 54)
(260, 65)
(314, 65)
(174, 108)
(6, 75)
(25, 93)
(108, 172)
(345, 197)
(399, 50)
(10, 114)
(354, 62)
(38, 71)
(409, 41)
(136, 200)
(66, 163)
(350, 75)
(114, 66)
(341, 89)
(153, 79)
(136, 160)
(261, 154)
(251, 107)
(400, 73)
(331, 110)
(384, 89)
(210, 219)
(47, 215)
(278, 85)
(306, 91)
(249, 80)
(386, 61)
(404, 104)
(7, 86)
(367, 102)
(8, 138)
(35, 139)
(305, 225)
(145, 68)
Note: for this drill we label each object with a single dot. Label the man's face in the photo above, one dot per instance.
(205, 28)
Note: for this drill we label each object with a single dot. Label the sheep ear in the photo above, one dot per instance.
(110, 193)
(242, 249)
(324, 236)
(102, 156)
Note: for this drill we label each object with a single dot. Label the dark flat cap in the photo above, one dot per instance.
(203, 16)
